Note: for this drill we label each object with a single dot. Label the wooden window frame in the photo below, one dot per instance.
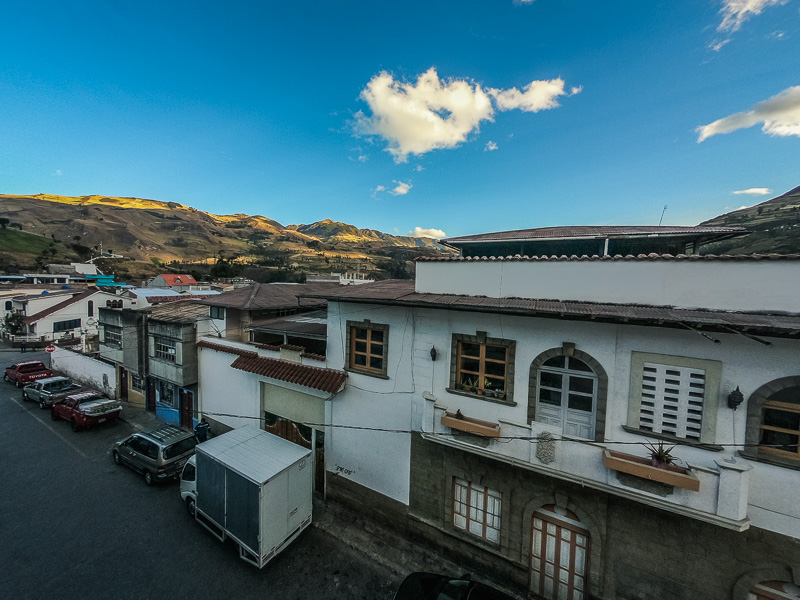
(783, 407)
(504, 396)
(366, 369)
(462, 507)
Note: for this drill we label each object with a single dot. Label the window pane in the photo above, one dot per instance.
(496, 352)
(498, 369)
(782, 419)
(361, 346)
(468, 349)
(790, 395)
(556, 361)
(581, 384)
(780, 441)
(377, 335)
(360, 333)
(467, 364)
(578, 365)
(495, 384)
(550, 379)
(376, 362)
(360, 359)
(577, 402)
(550, 397)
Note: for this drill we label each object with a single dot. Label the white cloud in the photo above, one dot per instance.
(378, 190)
(736, 12)
(490, 146)
(434, 113)
(428, 233)
(363, 158)
(718, 46)
(754, 191)
(536, 96)
(401, 189)
(780, 116)
(419, 168)
(58, 172)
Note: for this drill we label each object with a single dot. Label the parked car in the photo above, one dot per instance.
(48, 390)
(431, 586)
(158, 454)
(85, 409)
(26, 372)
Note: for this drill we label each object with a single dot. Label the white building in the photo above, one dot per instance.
(501, 408)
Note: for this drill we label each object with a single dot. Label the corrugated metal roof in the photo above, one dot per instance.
(311, 323)
(591, 231)
(401, 292)
(266, 296)
(178, 311)
(326, 380)
(254, 453)
(652, 257)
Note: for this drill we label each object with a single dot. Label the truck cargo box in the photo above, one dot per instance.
(255, 488)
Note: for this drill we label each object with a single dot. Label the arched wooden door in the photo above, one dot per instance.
(559, 554)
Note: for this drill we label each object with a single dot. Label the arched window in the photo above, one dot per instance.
(773, 422)
(108, 304)
(568, 390)
(90, 310)
(9, 305)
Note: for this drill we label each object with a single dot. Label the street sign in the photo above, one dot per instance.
(50, 348)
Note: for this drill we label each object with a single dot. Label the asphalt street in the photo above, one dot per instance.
(74, 525)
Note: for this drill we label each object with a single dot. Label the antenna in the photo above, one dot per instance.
(662, 215)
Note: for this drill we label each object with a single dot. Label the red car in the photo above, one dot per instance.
(85, 409)
(26, 372)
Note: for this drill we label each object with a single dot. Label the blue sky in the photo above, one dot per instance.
(456, 117)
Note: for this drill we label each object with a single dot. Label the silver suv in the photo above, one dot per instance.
(158, 454)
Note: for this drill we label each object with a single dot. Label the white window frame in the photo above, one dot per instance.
(477, 510)
(165, 349)
(645, 391)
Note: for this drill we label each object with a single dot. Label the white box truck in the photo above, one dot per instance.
(250, 486)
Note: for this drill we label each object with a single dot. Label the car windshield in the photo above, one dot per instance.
(455, 589)
(179, 448)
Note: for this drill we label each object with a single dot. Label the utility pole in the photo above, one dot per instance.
(662, 215)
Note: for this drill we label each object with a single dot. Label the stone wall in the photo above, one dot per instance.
(636, 553)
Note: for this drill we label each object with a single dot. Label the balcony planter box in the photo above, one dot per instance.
(470, 425)
(642, 467)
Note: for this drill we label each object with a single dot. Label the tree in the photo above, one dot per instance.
(13, 324)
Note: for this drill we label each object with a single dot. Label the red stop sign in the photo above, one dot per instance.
(50, 348)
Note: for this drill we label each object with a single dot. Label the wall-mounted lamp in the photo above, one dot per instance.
(735, 398)
(433, 353)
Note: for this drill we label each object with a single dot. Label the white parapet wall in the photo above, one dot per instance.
(89, 372)
(742, 284)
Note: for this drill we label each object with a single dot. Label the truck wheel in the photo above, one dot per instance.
(148, 478)
(53, 414)
(5, 378)
(190, 505)
(115, 456)
(74, 424)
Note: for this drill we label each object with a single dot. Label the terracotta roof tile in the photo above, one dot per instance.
(319, 357)
(326, 380)
(228, 349)
(171, 279)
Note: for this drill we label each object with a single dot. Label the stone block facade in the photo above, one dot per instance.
(636, 552)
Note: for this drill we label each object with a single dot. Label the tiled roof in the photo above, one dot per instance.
(228, 349)
(652, 257)
(266, 296)
(162, 299)
(178, 279)
(326, 380)
(401, 292)
(319, 357)
(55, 308)
(615, 231)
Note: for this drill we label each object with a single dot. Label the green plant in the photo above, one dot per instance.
(660, 454)
(468, 384)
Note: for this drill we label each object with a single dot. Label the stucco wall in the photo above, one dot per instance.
(727, 285)
(89, 372)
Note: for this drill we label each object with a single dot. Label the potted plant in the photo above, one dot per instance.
(660, 455)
